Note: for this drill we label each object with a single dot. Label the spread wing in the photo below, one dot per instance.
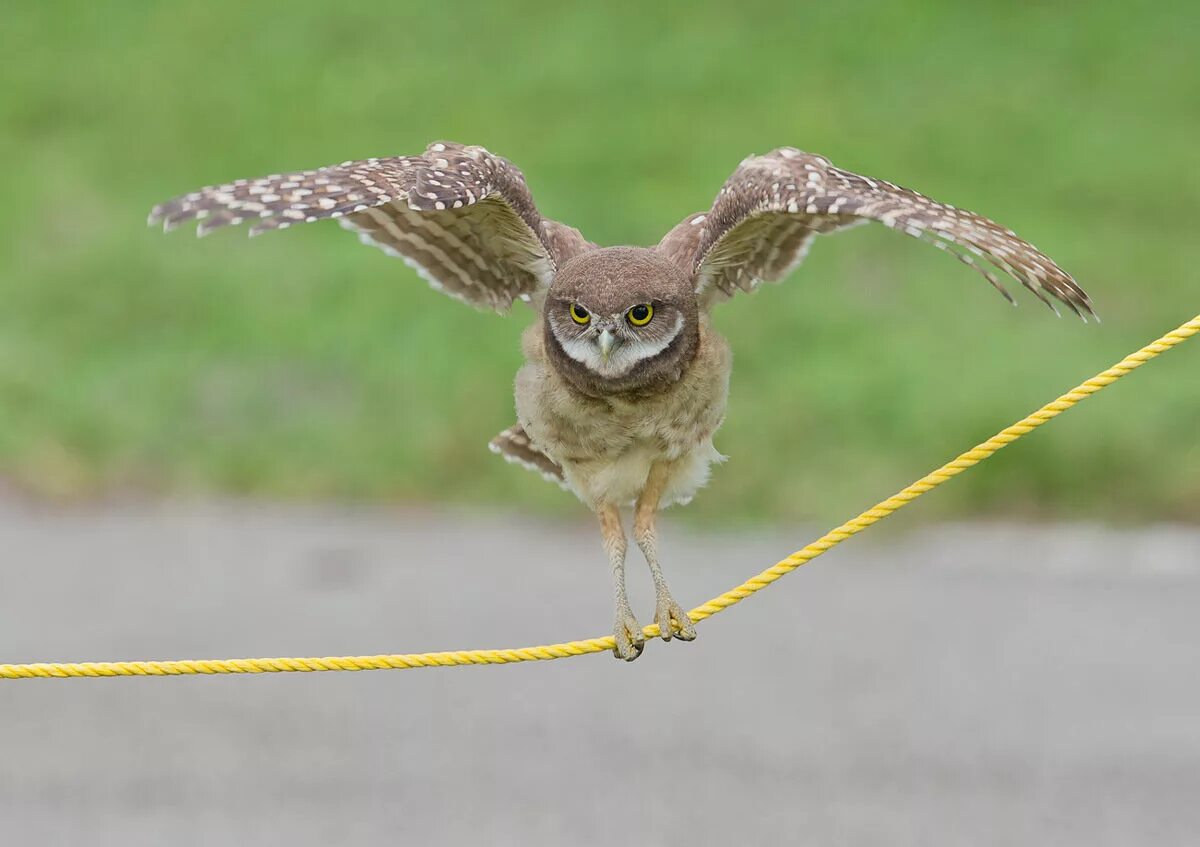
(461, 216)
(772, 207)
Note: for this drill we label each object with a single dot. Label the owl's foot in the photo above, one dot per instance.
(628, 633)
(672, 619)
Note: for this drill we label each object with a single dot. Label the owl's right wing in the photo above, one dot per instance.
(461, 216)
(769, 211)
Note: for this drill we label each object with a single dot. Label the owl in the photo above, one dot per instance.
(624, 381)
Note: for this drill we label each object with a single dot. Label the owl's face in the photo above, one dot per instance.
(612, 342)
(620, 319)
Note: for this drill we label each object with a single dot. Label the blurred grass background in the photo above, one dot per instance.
(302, 365)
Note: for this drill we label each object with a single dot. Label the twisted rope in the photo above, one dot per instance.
(598, 645)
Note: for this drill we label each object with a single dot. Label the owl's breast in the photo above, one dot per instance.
(607, 445)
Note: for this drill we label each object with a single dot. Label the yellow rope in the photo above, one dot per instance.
(598, 645)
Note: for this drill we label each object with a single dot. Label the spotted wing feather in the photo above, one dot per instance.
(461, 216)
(515, 447)
(767, 214)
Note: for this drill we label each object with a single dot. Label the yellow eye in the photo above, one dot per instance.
(579, 314)
(640, 314)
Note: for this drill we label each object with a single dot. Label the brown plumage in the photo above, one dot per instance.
(514, 446)
(606, 283)
(625, 382)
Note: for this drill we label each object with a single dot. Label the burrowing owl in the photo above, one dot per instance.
(625, 381)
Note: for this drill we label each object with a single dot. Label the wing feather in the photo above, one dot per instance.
(767, 213)
(461, 216)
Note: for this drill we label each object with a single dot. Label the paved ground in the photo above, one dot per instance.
(957, 685)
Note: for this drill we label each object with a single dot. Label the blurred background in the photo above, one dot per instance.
(224, 447)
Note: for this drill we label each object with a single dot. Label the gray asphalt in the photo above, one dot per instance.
(980, 685)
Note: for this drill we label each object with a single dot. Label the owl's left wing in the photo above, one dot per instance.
(461, 216)
(772, 207)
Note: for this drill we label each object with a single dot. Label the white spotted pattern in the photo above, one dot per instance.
(464, 218)
(766, 214)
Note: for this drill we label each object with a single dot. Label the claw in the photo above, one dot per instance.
(672, 620)
(630, 642)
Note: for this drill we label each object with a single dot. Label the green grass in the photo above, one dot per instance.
(301, 365)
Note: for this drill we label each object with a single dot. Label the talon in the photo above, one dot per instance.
(630, 642)
(672, 620)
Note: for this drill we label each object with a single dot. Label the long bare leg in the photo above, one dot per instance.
(669, 615)
(626, 629)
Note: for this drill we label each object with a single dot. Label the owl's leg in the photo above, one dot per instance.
(669, 615)
(626, 629)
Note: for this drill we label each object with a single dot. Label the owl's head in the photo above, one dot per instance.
(620, 320)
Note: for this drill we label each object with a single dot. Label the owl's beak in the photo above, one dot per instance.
(606, 341)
